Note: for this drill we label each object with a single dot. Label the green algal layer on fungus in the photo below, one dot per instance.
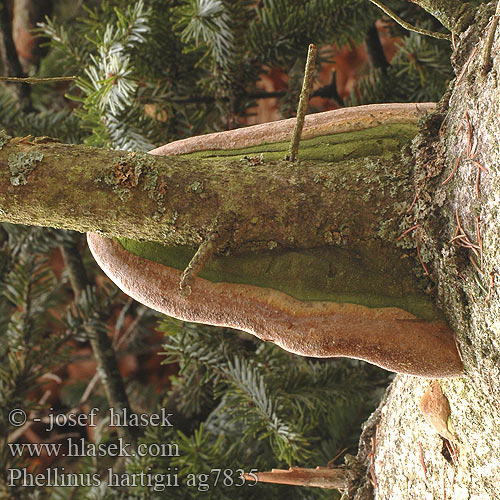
(326, 273)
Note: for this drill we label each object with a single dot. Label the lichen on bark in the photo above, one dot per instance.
(4, 138)
(21, 165)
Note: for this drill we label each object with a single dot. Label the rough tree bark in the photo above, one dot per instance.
(456, 176)
(407, 460)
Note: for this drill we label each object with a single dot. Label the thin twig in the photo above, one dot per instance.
(321, 477)
(32, 80)
(452, 450)
(372, 458)
(463, 240)
(127, 334)
(373, 478)
(88, 391)
(200, 258)
(459, 350)
(408, 230)
(10, 59)
(336, 457)
(83, 399)
(478, 175)
(303, 103)
(459, 224)
(121, 318)
(415, 198)
(14, 435)
(457, 237)
(474, 263)
(469, 134)
(408, 26)
(482, 167)
(328, 91)
(492, 276)
(52, 376)
(372, 454)
(480, 242)
(421, 260)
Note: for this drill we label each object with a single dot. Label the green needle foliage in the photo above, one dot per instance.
(419, 72)
(257, 406)
(149, 72)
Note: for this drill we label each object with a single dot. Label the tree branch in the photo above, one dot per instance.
(104, 353)
(321, 477)
(337, 215)
(346, 199)
(452, 14)
(407, 25)
(303, 103)
(33, 80)
(375, 50)
(327, 91)
(174, 199)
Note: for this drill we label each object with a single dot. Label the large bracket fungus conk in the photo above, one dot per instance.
(352, 293)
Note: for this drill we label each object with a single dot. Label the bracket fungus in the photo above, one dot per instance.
(312, 314)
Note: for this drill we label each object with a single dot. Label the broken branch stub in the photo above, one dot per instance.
(368, 307)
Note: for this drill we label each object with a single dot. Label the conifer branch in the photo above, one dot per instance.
(327, 91)
(375, 50)
(104, 353)
(454, 16)
(51, 190)
(321, 477)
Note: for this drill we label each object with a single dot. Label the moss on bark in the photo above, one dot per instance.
(332, 199)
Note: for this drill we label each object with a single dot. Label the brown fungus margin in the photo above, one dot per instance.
(388, 337)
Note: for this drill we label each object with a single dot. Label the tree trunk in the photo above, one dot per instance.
(459, 220)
